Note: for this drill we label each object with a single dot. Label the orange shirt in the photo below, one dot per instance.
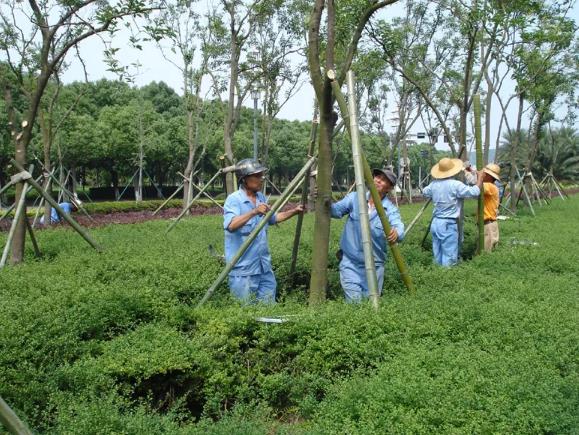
(491, 201)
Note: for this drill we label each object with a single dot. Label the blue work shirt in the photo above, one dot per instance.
(54, 216)
(351, 240)
(256, 259)
(447, 195)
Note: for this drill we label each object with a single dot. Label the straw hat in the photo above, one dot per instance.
(446, 168)
(493, 170)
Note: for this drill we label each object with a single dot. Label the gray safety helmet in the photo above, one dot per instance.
(246, 167)
(390, 176)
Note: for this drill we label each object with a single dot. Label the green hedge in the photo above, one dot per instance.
(111, 342)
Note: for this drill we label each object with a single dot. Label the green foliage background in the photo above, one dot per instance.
(111, 342)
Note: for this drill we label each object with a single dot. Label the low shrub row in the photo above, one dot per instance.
(112, 342)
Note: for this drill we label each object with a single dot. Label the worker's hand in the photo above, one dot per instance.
(393, 235)
(298, 209)
(261, 209)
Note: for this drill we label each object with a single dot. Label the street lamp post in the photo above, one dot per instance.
(255, 96)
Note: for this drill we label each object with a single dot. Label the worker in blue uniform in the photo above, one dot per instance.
(252, 278)
(67, 207)
(447, 195)
(352, 269)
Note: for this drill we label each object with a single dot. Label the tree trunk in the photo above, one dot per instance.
(46, 142)
(319, 278)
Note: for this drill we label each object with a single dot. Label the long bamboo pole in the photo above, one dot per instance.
(394, 248)
(17, 214)
(169, 199)
(60, 211)
(367, 246)
(479, 164)
(32, 237)
(418, 215)
(304, 198)
(281, 201)
(218, 173)
(7, 212)
(11, 421)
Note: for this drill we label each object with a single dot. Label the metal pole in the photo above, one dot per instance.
(55, 205)
(255, 126)
(19, 208)
(294, 184)
(193, 200)
(11, 421)
(361, 194)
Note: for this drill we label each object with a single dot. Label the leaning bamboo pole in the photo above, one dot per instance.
(394, 248)
(169, 199)
(418, 215)
(281, 201)
(367, 246)
(17, 214)
(304, 198)
(55, 205)
(479, 164)
(186, 209)
(11, 421)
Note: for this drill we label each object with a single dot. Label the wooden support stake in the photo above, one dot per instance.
(418, 215)
(11, 421)
(193, 200)
(60, 211)
(169, 199)
(32, 237)
(17, 214)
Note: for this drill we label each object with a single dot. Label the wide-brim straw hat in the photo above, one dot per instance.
(493, 170)
(446, 168)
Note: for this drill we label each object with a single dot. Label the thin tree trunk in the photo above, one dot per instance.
(513, 154)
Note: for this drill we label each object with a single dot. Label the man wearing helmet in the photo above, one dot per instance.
(252, 277)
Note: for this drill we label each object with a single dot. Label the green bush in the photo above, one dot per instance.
(112, 342)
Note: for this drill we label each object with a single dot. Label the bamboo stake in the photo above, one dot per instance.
(304, 199)
(394, 248)
(367, 246)
(281, 201)
(418, 215)
(169, 199)
(17, 214)
(32, 237)
(60, 211)
(193, 200)
(479, 164)
(204, 193)
(127, 186)
(7, 212)
(11, 421)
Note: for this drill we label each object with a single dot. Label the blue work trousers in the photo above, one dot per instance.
(254, 288)
(354, 282)
(444, 241)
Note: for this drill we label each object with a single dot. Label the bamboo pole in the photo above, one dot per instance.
(479, 164)
(281, 201)
(169, 199)
(418, 215)
(17, 214)
(367, 246)
(32, 237)
(7, 212)
(60, 211)
(204, 193)
(192, 201)
(394, 248)
(11, 421)
(304, 198)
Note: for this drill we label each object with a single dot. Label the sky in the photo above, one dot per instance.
(153, 67)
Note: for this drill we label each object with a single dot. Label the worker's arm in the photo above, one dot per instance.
(238, 221)
(285, 215)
